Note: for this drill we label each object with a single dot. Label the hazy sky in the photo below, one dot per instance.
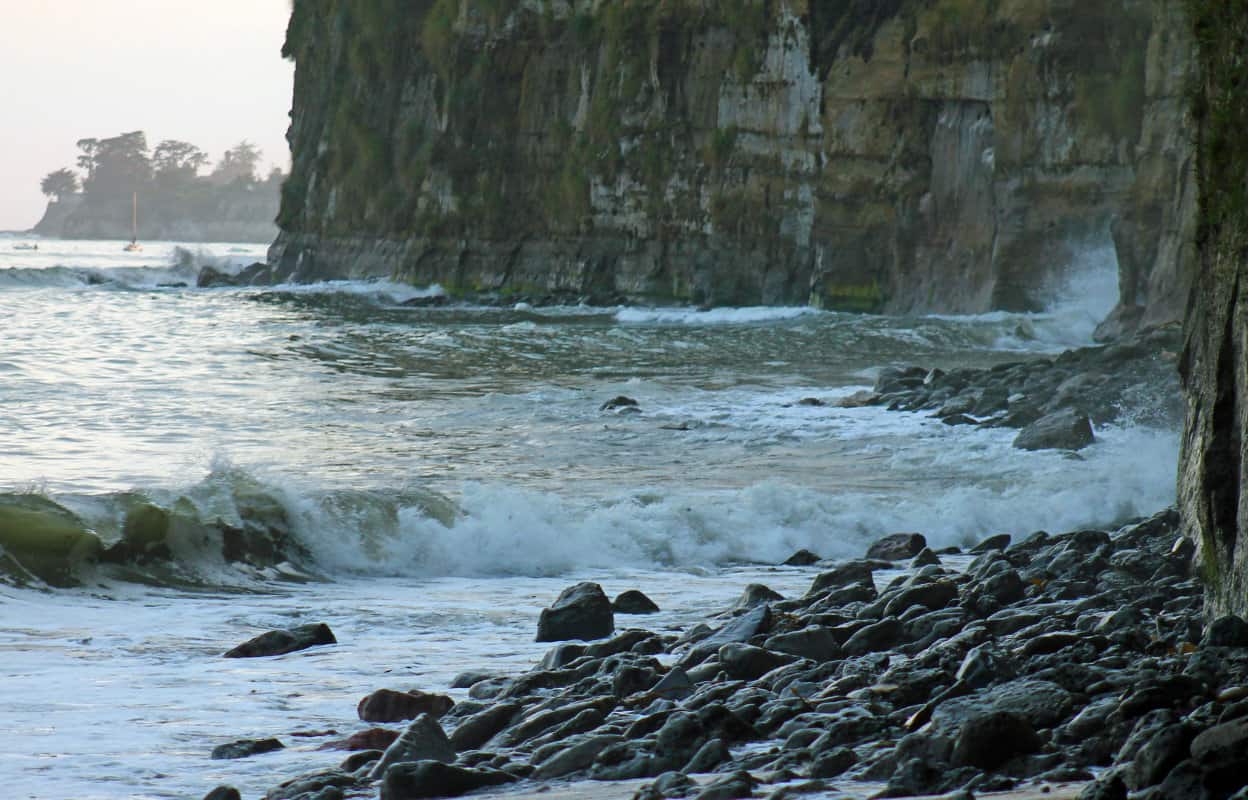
(209, 72)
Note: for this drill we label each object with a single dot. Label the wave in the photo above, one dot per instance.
(242, 528)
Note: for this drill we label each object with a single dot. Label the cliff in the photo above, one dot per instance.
(1212, 477)
(897, 155)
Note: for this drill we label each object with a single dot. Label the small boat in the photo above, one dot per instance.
(25, 246)
(134, 246)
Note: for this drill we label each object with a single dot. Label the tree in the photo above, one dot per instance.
(86, 161)
(238, 164)
(177, 164)
(121, 166)
(59, 183)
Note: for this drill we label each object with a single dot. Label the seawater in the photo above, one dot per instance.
(449, 470)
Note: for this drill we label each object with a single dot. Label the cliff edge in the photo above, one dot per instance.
(892, 155)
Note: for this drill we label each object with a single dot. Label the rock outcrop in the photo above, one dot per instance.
(1211, 484)
(909, 155)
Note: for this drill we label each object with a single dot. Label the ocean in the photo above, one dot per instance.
(437, 474)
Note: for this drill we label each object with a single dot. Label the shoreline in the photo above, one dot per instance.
(988, 679)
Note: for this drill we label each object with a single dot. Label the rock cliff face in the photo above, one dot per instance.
(897, 155)
(1212, 476)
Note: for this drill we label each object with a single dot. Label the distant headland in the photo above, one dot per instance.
(122, 189)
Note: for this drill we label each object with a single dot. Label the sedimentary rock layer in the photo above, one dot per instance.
(910, 155)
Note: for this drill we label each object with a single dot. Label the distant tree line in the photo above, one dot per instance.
(175, 193)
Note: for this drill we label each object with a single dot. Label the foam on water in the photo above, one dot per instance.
(713, 316)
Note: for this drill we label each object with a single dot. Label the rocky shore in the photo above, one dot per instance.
(1073, 664)
(1026, 662)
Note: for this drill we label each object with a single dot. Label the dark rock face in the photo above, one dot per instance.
(580, 612)
(223, 793)
(276, 643)
(1063, 430)
(388, 705)
(860, 230)
(1211, 483)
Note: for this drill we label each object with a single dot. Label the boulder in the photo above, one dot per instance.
(223, 793)
(478, 729)
(813, 642)
(424, 740)
(414, 779)
(801, 558)
(746, 662)
(852, 573)
(897, 546)
(1062, 430)
(388, 705)
(755, 594)
(279, 642)
(582, 612)
(245, 747)
(988, 740)
(633, 601)
(619, 402)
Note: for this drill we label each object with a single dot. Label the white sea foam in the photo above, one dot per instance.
(713, 316)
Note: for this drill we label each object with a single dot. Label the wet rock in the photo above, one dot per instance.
(813, 642)
(745, 662)
(417, 779)
(424, 739)
(713, 753)
(832, 763)
(958, 419)
(1227, 631)
(933, 595)
(755, 594)
(573, 758)
(633, 601)
(989, 740)
(875, 637)
(897, 547)
(982, 666)
(388, 705)
(1043, 704)
(478, 729)
(371, 739)
(561, 656)
(245, 747)
(801, 558)
(464, 680)
(223, 793)
(999, 542)
(1168, 747)
(582, 612)
(1062, 430)
(674, 685)
(359, 760)
(848, 574)
(619, 402)
(320, 785)
(739, 784)
(279, 642)
(925, 558)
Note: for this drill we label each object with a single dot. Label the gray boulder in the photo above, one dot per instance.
(435, 779)
(897, 546)
(633, 601)
(276, 643)
(1063, 430)
(582, 612)
(424, 740)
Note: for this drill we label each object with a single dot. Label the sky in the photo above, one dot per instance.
(210, 73)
